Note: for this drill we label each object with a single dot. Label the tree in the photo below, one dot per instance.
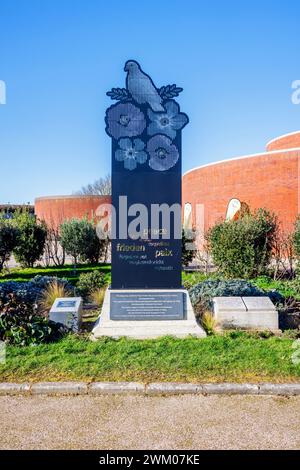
(8, 240)
(101, 187)
(296, 237)
(283, 255)
(30, 240)
(79, 239)
(54, 252)
(243, 248)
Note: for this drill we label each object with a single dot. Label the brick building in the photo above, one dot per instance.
(55, 209)
(269, 179)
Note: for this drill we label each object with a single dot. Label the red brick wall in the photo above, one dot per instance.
(53, 210)
(267, 180)
(289, 141)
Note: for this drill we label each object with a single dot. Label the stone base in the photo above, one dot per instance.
(68, 311)
(146, 329)
(245, 313)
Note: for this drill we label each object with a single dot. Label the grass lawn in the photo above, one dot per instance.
(235, 357)
(67, 271)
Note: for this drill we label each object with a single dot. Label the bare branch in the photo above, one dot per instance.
(101, 187)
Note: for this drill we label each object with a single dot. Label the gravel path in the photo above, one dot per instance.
(135, 422)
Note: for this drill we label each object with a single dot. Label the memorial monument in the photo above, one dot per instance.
(146, 298)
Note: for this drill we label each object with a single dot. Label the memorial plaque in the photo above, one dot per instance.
(66, 304)
(145, 128)
(257, 313)
(67, 311)
(229, 304)
(141, 306)
(259, 303)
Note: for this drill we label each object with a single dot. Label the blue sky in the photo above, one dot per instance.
(235, 60)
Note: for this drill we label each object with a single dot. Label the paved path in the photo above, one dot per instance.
(133, 422)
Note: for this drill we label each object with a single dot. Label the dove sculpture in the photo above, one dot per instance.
(141, 87)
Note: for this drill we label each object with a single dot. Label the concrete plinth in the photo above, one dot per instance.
(144, 329)
(249, 313)
(68, 312)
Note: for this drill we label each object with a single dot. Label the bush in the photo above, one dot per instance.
(97, 296)
(206, 290)
(30, 292)
(24, 291)
(53, 291)
(192, 278)
(21, 325)
(287, 289)
(243, 247)
(294, 284)
(291, 334)
(79, 239)
(89, 282)
(209, 323)
(8, 240)
(42, 282)
(31, 239)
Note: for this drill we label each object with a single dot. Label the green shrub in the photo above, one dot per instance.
(8, 240)
(79, 239)
(31, 291)
(291, 334)
(54, 290)
(31, 239)
(206, 290)
(287, 288)
(42, 282)
(97, 296)
(209, 323)
(294, 285)
(191, 279)
(89, 282)
(21, 325)
(243, 248)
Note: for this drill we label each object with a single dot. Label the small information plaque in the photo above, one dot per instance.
(67, 311)
(147, 306)
(66, 304)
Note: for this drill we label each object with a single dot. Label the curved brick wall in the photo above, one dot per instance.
(54, 210)
(288, 141)
(267, 180)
